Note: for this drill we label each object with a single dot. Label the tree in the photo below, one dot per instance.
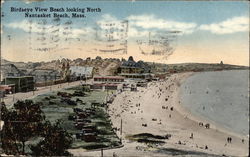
(21, 123)
(25, 121)
(56, 141)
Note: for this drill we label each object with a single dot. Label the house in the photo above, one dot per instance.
(81, 71)
(130, 66)
(10, 70)
(132, 69)
(22, 83)
(45, 75)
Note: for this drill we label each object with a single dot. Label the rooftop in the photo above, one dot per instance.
(133, 64)
(79, 70)
(109, 77)
(17, 77)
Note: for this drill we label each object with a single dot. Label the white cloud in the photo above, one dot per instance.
(152, 22)
(138, 26)
(114, 25)
(133, 32)
(141, 25)
(77, 32)
(229, 26)
(34, 27)
(23, 25)
(107, 18)
(30, 1)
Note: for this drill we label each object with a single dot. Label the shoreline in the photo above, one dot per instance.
(197, 118)
(200, 118)
(214, 127)
(151, 101)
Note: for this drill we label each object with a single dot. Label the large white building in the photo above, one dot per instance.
(81, 71)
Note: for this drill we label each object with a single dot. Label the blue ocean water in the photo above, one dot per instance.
(221, 96)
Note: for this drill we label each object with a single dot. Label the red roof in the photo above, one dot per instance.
(5, 87)
(109, 77)
(103, 84)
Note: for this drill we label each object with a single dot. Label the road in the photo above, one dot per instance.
(10, 99)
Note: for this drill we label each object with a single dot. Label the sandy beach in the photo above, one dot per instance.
(158, 106)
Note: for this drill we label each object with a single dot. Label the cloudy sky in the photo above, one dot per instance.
(205, 32)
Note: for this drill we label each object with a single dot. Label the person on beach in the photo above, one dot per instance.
(114, 155)
(192, 136)
(229, 140)
(206, 147)
(200, 124)
(172, 108)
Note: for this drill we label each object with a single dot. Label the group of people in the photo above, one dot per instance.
(207, 126)
(229, 140)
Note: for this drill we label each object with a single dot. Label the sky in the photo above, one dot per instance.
(178, 31)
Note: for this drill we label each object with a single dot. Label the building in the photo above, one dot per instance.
(104, 86)
(81, 71)
(45, 75)
(65, 72)
(96, 70)
(107, 82)
(7, 89)
(135, 70)
(136, 75)
(10, 70)
(22, 84)
(108, 79)
(130, 66)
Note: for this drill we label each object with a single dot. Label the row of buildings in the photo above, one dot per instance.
(128, 70)
(14, 80)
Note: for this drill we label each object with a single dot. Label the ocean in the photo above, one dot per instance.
(221, 97)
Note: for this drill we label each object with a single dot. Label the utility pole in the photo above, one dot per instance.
(55, 79)
(121, 128)
(0, 64)
(101, 152)
(34, 87)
